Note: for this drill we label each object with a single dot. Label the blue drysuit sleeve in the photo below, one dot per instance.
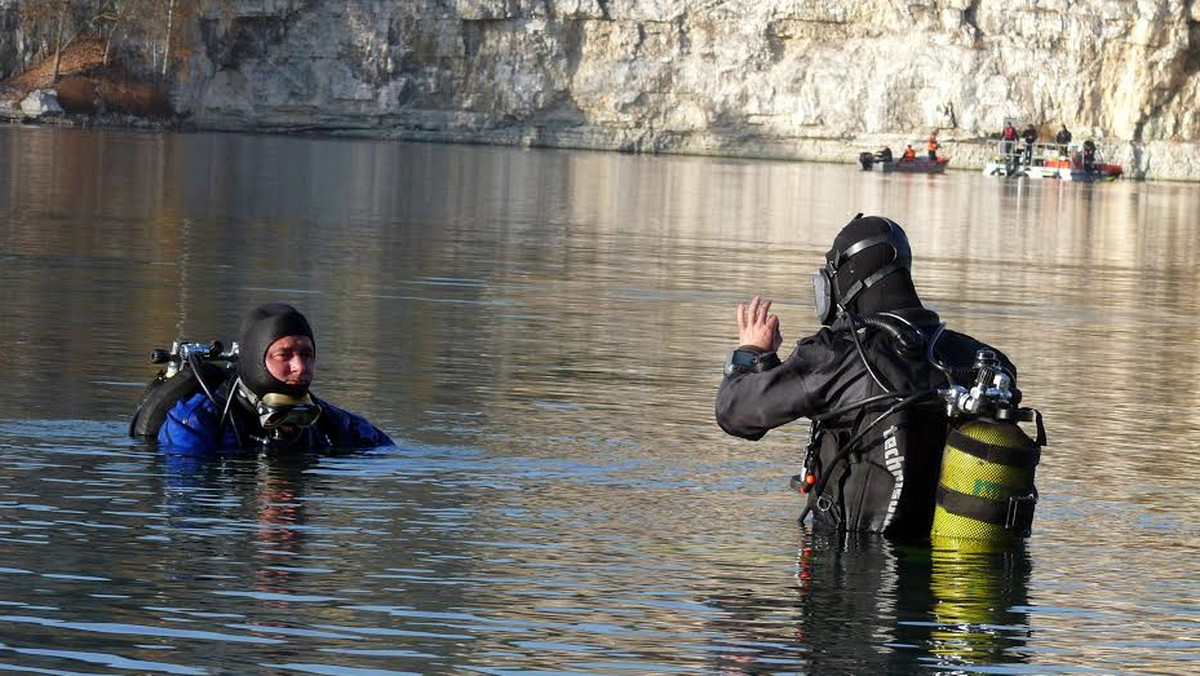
(193, 426)
(347, 430)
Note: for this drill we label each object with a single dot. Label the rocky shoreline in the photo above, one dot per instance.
(15, 114)
(1145, 161)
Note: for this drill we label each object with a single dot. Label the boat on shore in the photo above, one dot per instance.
(1072, 162)
(917, 165)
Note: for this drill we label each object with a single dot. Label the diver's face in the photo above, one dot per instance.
(292, 360)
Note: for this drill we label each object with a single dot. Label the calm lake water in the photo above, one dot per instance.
(542, 333)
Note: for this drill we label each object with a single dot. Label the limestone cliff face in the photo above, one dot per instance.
(813, 79)
(781, 78)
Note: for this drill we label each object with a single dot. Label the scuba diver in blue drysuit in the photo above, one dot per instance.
(869, 380)
(200, 407)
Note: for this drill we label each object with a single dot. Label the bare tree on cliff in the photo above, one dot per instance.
(56, 23)
(172, 18)
(136, 24)
(50, 21)
(155, 33)
(114, 14)
(167, 39)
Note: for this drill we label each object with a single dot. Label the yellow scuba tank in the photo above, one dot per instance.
(986, 489)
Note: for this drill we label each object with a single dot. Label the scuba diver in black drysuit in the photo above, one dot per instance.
(256, 397)
(868, 382)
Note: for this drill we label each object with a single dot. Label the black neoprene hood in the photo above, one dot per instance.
(262, 326)
(893, 291)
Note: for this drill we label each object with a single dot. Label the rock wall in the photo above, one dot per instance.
(806, 79)
(12, 45)
(812, 79)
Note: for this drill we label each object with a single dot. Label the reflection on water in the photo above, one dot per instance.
(543, 333)
(866, 606)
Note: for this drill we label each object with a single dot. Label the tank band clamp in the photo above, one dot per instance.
(1020, 512)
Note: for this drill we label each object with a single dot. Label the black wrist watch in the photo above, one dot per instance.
(749, 361)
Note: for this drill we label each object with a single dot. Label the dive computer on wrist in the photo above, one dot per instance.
(749, 361)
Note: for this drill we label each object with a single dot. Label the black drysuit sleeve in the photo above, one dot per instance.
(821, 370)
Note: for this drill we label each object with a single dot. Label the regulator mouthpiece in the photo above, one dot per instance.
(281, 410)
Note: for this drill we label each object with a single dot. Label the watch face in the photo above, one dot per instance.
(744, 359)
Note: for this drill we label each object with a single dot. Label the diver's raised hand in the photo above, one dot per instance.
(757, 328)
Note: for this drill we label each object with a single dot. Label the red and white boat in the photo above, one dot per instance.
(1074, 162)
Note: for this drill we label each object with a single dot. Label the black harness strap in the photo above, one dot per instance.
(1015, 513)
(864, 284)
(1026, 457)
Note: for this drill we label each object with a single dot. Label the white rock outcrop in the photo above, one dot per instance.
(41, 103)
(810, 79)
